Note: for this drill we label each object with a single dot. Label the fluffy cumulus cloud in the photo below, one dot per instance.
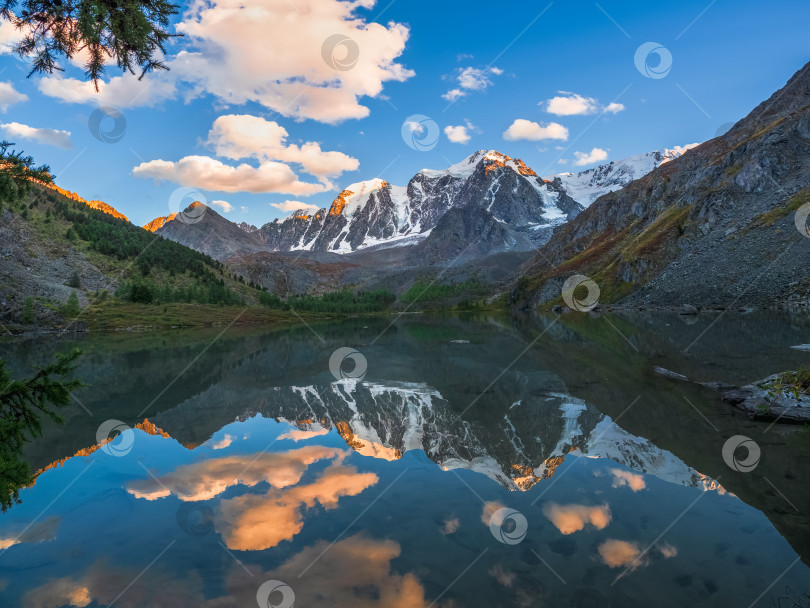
(450, 526)
(41, 135)
(570, 104)
(306, 59)
(9, 96)
(242, 136)
(10, 36)
(296, 434)
(490, 508)
(619, 553)
(237, 136)
(596, 155)
(532, 131)
(471, 79)
(253, 522)
(624, 554)
(574, 104)
(210, 174)
(458, 135)
(208, 478)
(224, 205)
(309, 59)
(573, 518)
(120, 91)
(625, 478)
(355, 571)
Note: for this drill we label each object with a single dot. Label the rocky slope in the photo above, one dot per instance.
(586, 186)
(715, 227)
(205, 230)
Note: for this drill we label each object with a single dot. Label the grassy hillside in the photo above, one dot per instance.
(69, 265)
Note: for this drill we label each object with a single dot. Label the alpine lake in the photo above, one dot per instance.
(413, 461)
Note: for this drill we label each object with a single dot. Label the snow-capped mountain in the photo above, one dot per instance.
(373, 213)
(487, 203)
(586, 186)
(385, 420)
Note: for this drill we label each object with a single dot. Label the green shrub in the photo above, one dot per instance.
(27, 315)
(71, 308)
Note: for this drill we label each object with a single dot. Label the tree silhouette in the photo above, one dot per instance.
(22, 403)
(132, 33)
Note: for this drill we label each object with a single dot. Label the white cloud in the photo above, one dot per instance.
(242, 136)
(224, 205)
(471, 79)
(9, 96)
(570, 104)
(573, 104)
(277, 53)
(10, 36)
(476, 79)
(50, 137)
(237, 136)
(208, 173)
(453, 95)
(573, 518)
(588, 158)
(273, 52)
(626, 478)
(293, 206)
(532, 131)
(120, 91)
(458, 135)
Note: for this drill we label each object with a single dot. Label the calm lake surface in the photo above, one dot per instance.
(479, 461)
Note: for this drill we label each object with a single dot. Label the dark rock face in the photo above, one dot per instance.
(714, 228)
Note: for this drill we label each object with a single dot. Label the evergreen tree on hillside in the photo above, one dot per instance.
(16, 173)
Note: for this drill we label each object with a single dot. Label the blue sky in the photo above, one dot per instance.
(507, 60)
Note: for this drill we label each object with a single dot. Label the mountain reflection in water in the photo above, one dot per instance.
(258, 465)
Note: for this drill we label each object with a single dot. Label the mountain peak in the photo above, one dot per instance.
(353, 197)
(492, 159)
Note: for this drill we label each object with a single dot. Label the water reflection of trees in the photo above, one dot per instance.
(22, 405)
